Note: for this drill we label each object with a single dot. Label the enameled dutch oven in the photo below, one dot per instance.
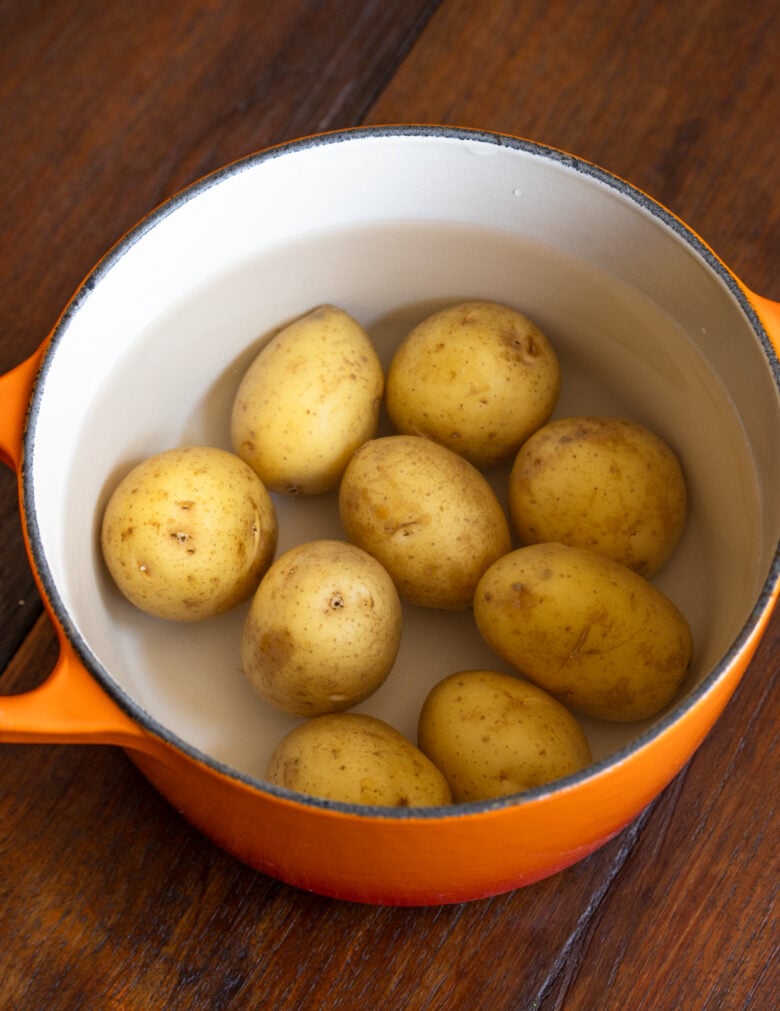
(389, 223)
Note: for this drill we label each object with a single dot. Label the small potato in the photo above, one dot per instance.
(356, 759)
(493, 734)
(323, 629)
(426, 514)
(607, 484)
(308, 400)
(594, 634)
(188, 533)
(477, 377)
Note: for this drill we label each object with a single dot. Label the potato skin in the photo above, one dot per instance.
(494, 734)
(426, 514)
(307, 401)
(477, 377)
(356, 759)
(602, 483)
(188, 533)
(323, 629)
(597, 636)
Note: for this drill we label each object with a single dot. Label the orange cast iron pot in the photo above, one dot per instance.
(399, 857)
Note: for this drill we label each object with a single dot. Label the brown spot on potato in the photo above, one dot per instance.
(275, 648)
(520, 346)
(407, 528)
(582, 639)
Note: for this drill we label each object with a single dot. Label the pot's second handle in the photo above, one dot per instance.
(15, 388)
(769, 313)
(69, 707)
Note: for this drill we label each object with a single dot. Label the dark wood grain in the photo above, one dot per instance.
(108, 899)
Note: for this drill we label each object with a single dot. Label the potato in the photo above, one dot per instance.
(477, 377)
(323, 629)
(188, 533)
(493, 734)
(602, 483)
(600, 638)
(426, 514)
(307, 401)
(356, 759)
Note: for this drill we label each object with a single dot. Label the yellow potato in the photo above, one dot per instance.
(307, 401)
(426, 514)
(356, 759)
(323, 629)
(493, 734)
(597, 636)
(607, 484)
(188, 533)
(477, 377)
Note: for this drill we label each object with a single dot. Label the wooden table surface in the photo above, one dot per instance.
(108, 899)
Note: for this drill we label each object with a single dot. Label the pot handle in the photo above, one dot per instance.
(15, 388)
(769, 314)
(69, 707)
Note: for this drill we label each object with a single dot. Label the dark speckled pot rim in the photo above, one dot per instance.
(353, 135)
